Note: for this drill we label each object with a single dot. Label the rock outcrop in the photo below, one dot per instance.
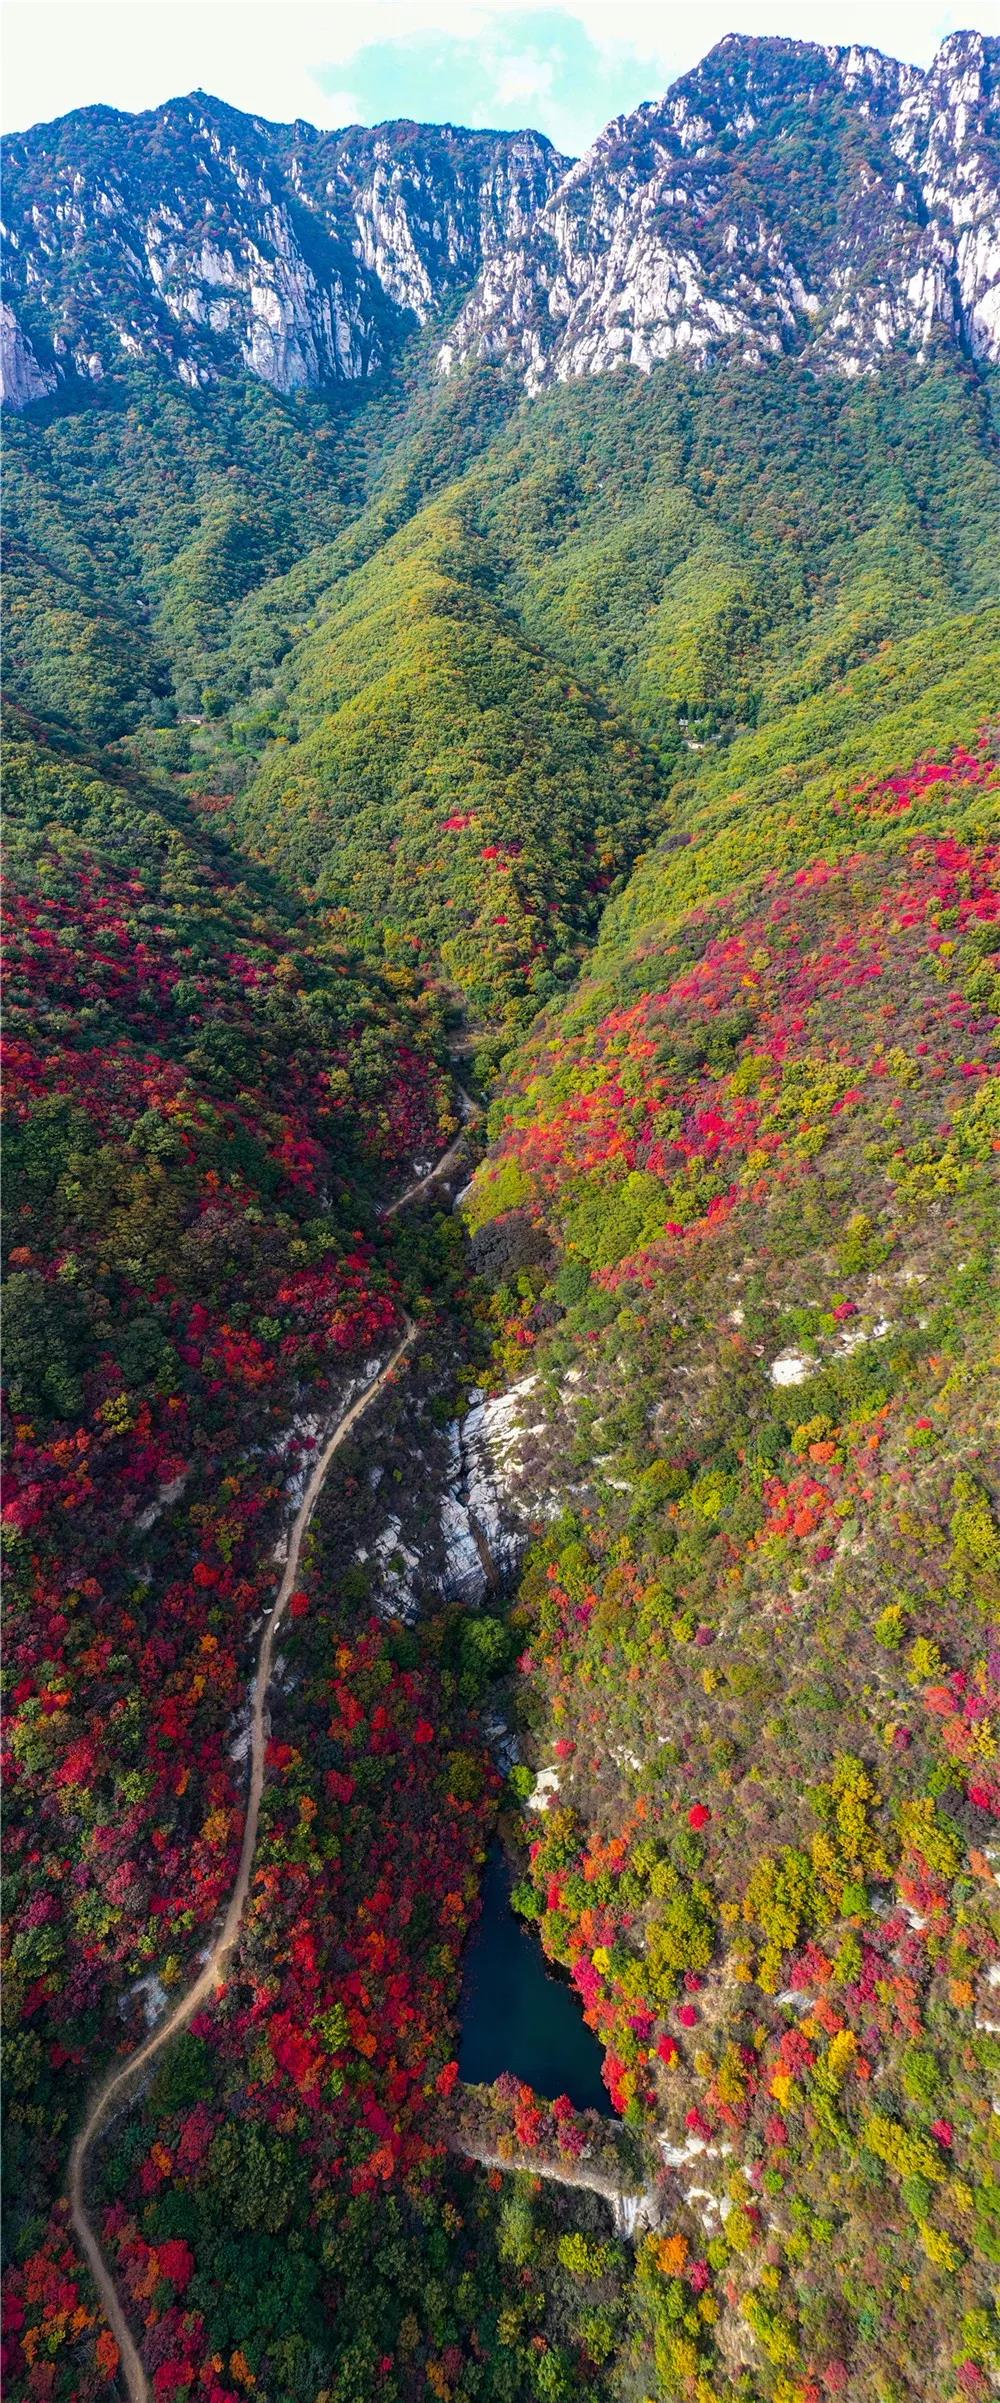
(22, 379)
(782, 197)
(210, 240)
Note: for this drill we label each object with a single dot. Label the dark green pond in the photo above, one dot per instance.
(514, 2015)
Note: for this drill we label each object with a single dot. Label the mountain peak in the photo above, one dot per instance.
(781, 196)
(210, 241)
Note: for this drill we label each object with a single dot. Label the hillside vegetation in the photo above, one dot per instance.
(699, 555)
(738, 1218)
(447, 777)
(202, 1094)
(643, 742)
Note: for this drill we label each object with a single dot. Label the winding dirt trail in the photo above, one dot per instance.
(470, 1111)
(117, 2086)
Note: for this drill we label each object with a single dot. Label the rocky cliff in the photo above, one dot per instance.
(211, 240)
(781, 196)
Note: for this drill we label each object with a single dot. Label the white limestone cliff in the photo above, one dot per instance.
(22, 379)
(680, 230)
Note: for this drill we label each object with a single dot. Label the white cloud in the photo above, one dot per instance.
(332, 108)
(517, 81)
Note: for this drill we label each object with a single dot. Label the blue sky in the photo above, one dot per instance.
(566, 68)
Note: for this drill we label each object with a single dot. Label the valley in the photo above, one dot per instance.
(502, 1665)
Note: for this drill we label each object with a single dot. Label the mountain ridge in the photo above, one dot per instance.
(213, 240)
(665, 236)
(782, 196)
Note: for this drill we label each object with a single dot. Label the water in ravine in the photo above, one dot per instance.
(515, 2015)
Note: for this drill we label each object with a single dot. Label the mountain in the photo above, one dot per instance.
(607, 764)
(208, 239)
(781, 197)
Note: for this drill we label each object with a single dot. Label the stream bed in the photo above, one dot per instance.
(514, 2015)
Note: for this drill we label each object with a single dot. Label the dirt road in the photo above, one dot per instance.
(120, 2081)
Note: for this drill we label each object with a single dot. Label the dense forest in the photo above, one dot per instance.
(760, 1148)
(633, 750)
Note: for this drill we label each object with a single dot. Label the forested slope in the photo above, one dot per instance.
(509, 683)
(348, 727)
(738, 1218)
(447, 777)
(203, 1095)
(113, 609)
(448, 686)
(714, 547)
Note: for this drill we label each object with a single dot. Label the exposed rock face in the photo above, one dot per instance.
(784, 196)
(426, 206)
(484, 1517)
(446, 1511)
(21, 378)
(456, 1525)
(211, 240)
(948, 132)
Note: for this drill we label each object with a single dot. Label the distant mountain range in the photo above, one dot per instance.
(783, 197)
